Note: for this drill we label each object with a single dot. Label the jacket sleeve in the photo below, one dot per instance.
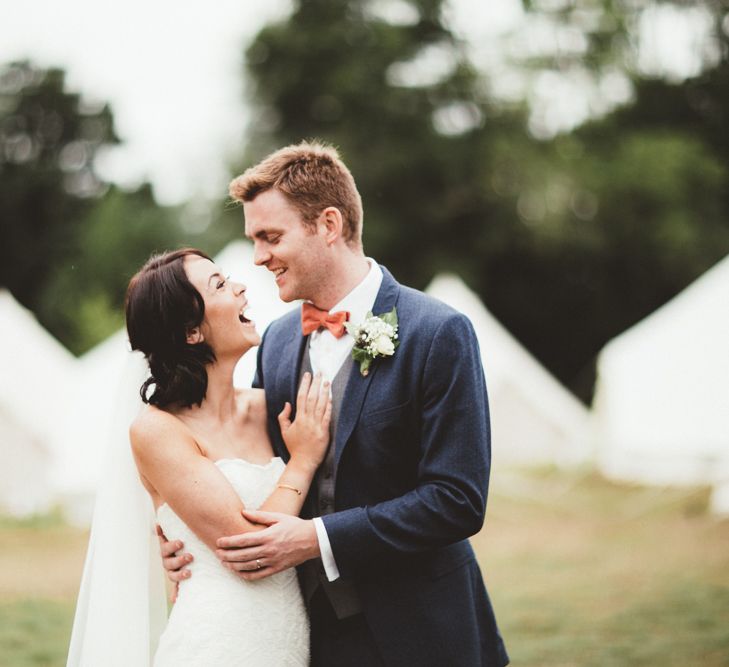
(448, 503)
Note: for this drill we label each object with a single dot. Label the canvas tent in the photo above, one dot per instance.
(534, 419)
(109, 375)
(38, 378)
(24, 487)
(661, 408)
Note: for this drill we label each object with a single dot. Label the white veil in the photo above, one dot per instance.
(122, 605)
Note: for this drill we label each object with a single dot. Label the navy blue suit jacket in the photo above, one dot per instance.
(412, 456)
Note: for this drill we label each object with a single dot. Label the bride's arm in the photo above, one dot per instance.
(169, 460)
(306, 438)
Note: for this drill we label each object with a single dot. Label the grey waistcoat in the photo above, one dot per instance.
(341, 593)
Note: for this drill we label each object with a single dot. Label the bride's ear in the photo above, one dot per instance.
(194, 336)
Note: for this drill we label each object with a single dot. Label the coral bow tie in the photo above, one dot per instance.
(312, 318)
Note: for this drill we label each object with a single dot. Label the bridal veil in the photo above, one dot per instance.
(122, 606)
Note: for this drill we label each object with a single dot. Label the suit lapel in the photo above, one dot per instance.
(357, 386)
(289, 366)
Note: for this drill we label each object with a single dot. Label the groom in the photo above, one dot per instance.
(385, 566)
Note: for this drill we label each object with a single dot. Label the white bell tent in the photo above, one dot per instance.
(661, 408)
(534, 419)
(38, 376)
(110, 375)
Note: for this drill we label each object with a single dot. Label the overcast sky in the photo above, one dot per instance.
(172, 73)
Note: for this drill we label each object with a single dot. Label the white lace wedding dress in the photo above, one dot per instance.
(220, 620)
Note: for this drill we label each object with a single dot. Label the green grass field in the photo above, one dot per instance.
(582, 572)
(40, 568)
(588, 573)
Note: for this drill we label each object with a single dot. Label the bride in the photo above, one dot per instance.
(203, 454)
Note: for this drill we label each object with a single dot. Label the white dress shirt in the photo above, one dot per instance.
(327, 354)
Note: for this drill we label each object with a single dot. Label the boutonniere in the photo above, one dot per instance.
(375, 337)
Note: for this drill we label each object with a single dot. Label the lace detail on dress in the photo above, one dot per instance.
(220, 620)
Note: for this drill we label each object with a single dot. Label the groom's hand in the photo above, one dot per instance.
(175, 563)
(287, 541)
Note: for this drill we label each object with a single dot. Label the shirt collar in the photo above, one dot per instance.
(362, 298)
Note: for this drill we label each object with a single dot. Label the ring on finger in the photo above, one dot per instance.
(258, 564)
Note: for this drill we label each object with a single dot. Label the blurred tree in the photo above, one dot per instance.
(48, 142)
(568, 239)
(619, 222)
(69, 243)
(86, 296)
(644, 189)
(397, 95)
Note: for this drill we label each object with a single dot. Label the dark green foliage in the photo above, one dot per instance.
(328, 72)
(70, 242)
(84, 302)
(47, 147)
(568, 241)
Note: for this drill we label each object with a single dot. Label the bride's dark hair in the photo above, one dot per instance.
(162, 307)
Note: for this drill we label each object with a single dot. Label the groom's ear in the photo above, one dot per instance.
(194, 336)
(331, 223)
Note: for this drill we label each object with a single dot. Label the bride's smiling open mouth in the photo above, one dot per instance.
(246, 321)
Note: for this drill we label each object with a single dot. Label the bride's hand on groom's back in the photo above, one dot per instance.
(307, 436)
(174, 561)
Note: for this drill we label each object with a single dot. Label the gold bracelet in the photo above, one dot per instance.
(288, 486)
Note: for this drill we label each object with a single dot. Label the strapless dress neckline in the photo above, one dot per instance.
(221, 620)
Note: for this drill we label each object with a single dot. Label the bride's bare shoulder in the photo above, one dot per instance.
(152, 424)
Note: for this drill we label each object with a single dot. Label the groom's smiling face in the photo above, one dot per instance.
(293, 252)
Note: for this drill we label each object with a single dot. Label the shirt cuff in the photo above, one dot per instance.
(325, 549)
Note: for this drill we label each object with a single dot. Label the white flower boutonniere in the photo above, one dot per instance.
(375, 337)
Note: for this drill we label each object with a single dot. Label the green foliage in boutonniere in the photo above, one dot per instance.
(375, 337)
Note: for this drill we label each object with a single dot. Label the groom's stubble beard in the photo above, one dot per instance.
(310, 277)
(312, 288)
(300, 282)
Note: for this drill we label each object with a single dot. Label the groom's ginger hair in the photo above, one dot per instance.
(312, 176)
